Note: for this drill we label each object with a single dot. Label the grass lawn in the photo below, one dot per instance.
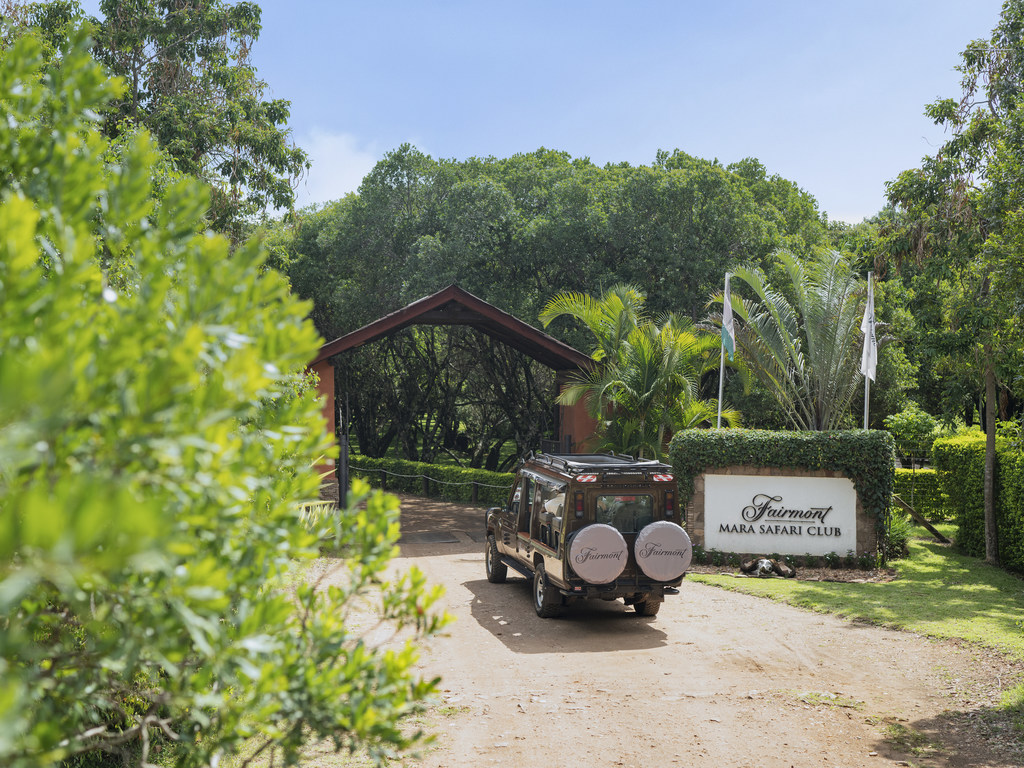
(939, 593)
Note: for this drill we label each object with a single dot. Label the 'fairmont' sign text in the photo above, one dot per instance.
(785, 515)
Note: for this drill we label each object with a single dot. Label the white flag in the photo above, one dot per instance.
(728, 333)
(869, 359)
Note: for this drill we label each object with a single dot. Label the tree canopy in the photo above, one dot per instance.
(962, 216)
(189, 80)
(517, 231)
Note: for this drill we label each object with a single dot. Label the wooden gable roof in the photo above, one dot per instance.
(454, 306)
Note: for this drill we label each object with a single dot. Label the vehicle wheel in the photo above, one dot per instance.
(647, 607)
(546, 600)
(496, 570)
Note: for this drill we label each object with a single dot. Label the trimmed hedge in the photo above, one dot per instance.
(439, 481)
(867, 457)
(960, 462)
(1010, 512)
(922, 490)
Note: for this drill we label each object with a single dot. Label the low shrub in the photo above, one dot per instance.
(898, 535)
(439, 481)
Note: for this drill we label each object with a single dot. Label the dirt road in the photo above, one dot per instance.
(716, 679)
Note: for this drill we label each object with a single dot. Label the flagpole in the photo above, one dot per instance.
(721, 381)
(867, 390)
(728, 340)
(869, 358)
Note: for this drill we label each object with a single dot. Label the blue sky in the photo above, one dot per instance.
(827, 94)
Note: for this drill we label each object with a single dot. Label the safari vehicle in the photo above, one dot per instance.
(590, 526)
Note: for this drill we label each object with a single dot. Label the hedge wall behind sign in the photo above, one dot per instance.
(867, 457)
(960, 462)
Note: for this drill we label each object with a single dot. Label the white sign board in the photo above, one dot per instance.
(784, 515)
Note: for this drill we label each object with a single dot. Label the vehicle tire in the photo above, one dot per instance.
(647, 607)
(496, 570)
(546, 600)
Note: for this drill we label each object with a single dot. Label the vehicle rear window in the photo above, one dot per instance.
(629, 513)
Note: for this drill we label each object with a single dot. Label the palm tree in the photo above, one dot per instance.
(611, 318)
(801, 339)
(645, 386)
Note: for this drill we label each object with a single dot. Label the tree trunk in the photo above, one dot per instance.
(991, 541)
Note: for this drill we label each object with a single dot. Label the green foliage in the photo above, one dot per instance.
(898, 533)
(914, 432)
(645, 382)
(515, 231)
(1010, 509)
(189, 82)
(866, 457)
(800, 335)
(964, 213)
(939, 593)
(155, 443)
(435, 480)
(921, 489)
(960, 464)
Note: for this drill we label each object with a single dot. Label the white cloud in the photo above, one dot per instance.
(339, 164)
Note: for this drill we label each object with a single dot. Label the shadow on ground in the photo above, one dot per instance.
(588, 626)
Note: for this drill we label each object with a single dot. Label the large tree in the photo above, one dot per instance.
(964, 205)
(190, 81)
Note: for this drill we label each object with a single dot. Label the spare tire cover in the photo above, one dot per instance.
(598, 553)
(663, 551)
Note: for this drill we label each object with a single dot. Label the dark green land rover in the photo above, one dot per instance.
(590, 526)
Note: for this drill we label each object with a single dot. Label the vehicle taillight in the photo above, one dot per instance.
(670, 503)
(578, 501)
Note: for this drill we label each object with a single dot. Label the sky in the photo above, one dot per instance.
(829, 95)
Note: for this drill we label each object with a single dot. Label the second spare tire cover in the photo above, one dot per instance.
(663, 551)
(598, 553)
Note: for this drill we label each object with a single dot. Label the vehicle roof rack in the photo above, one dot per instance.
(579, 463)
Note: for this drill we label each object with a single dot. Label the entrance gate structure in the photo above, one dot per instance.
(455, 306)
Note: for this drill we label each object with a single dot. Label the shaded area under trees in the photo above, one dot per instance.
(424, 393)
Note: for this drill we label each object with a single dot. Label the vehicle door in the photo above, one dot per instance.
(510, 517)
(528, 490)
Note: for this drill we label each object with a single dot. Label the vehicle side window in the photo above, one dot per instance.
(526, 504)
(552, 498)
(629, 513)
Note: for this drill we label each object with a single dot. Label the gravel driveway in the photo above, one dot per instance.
(716, 679)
